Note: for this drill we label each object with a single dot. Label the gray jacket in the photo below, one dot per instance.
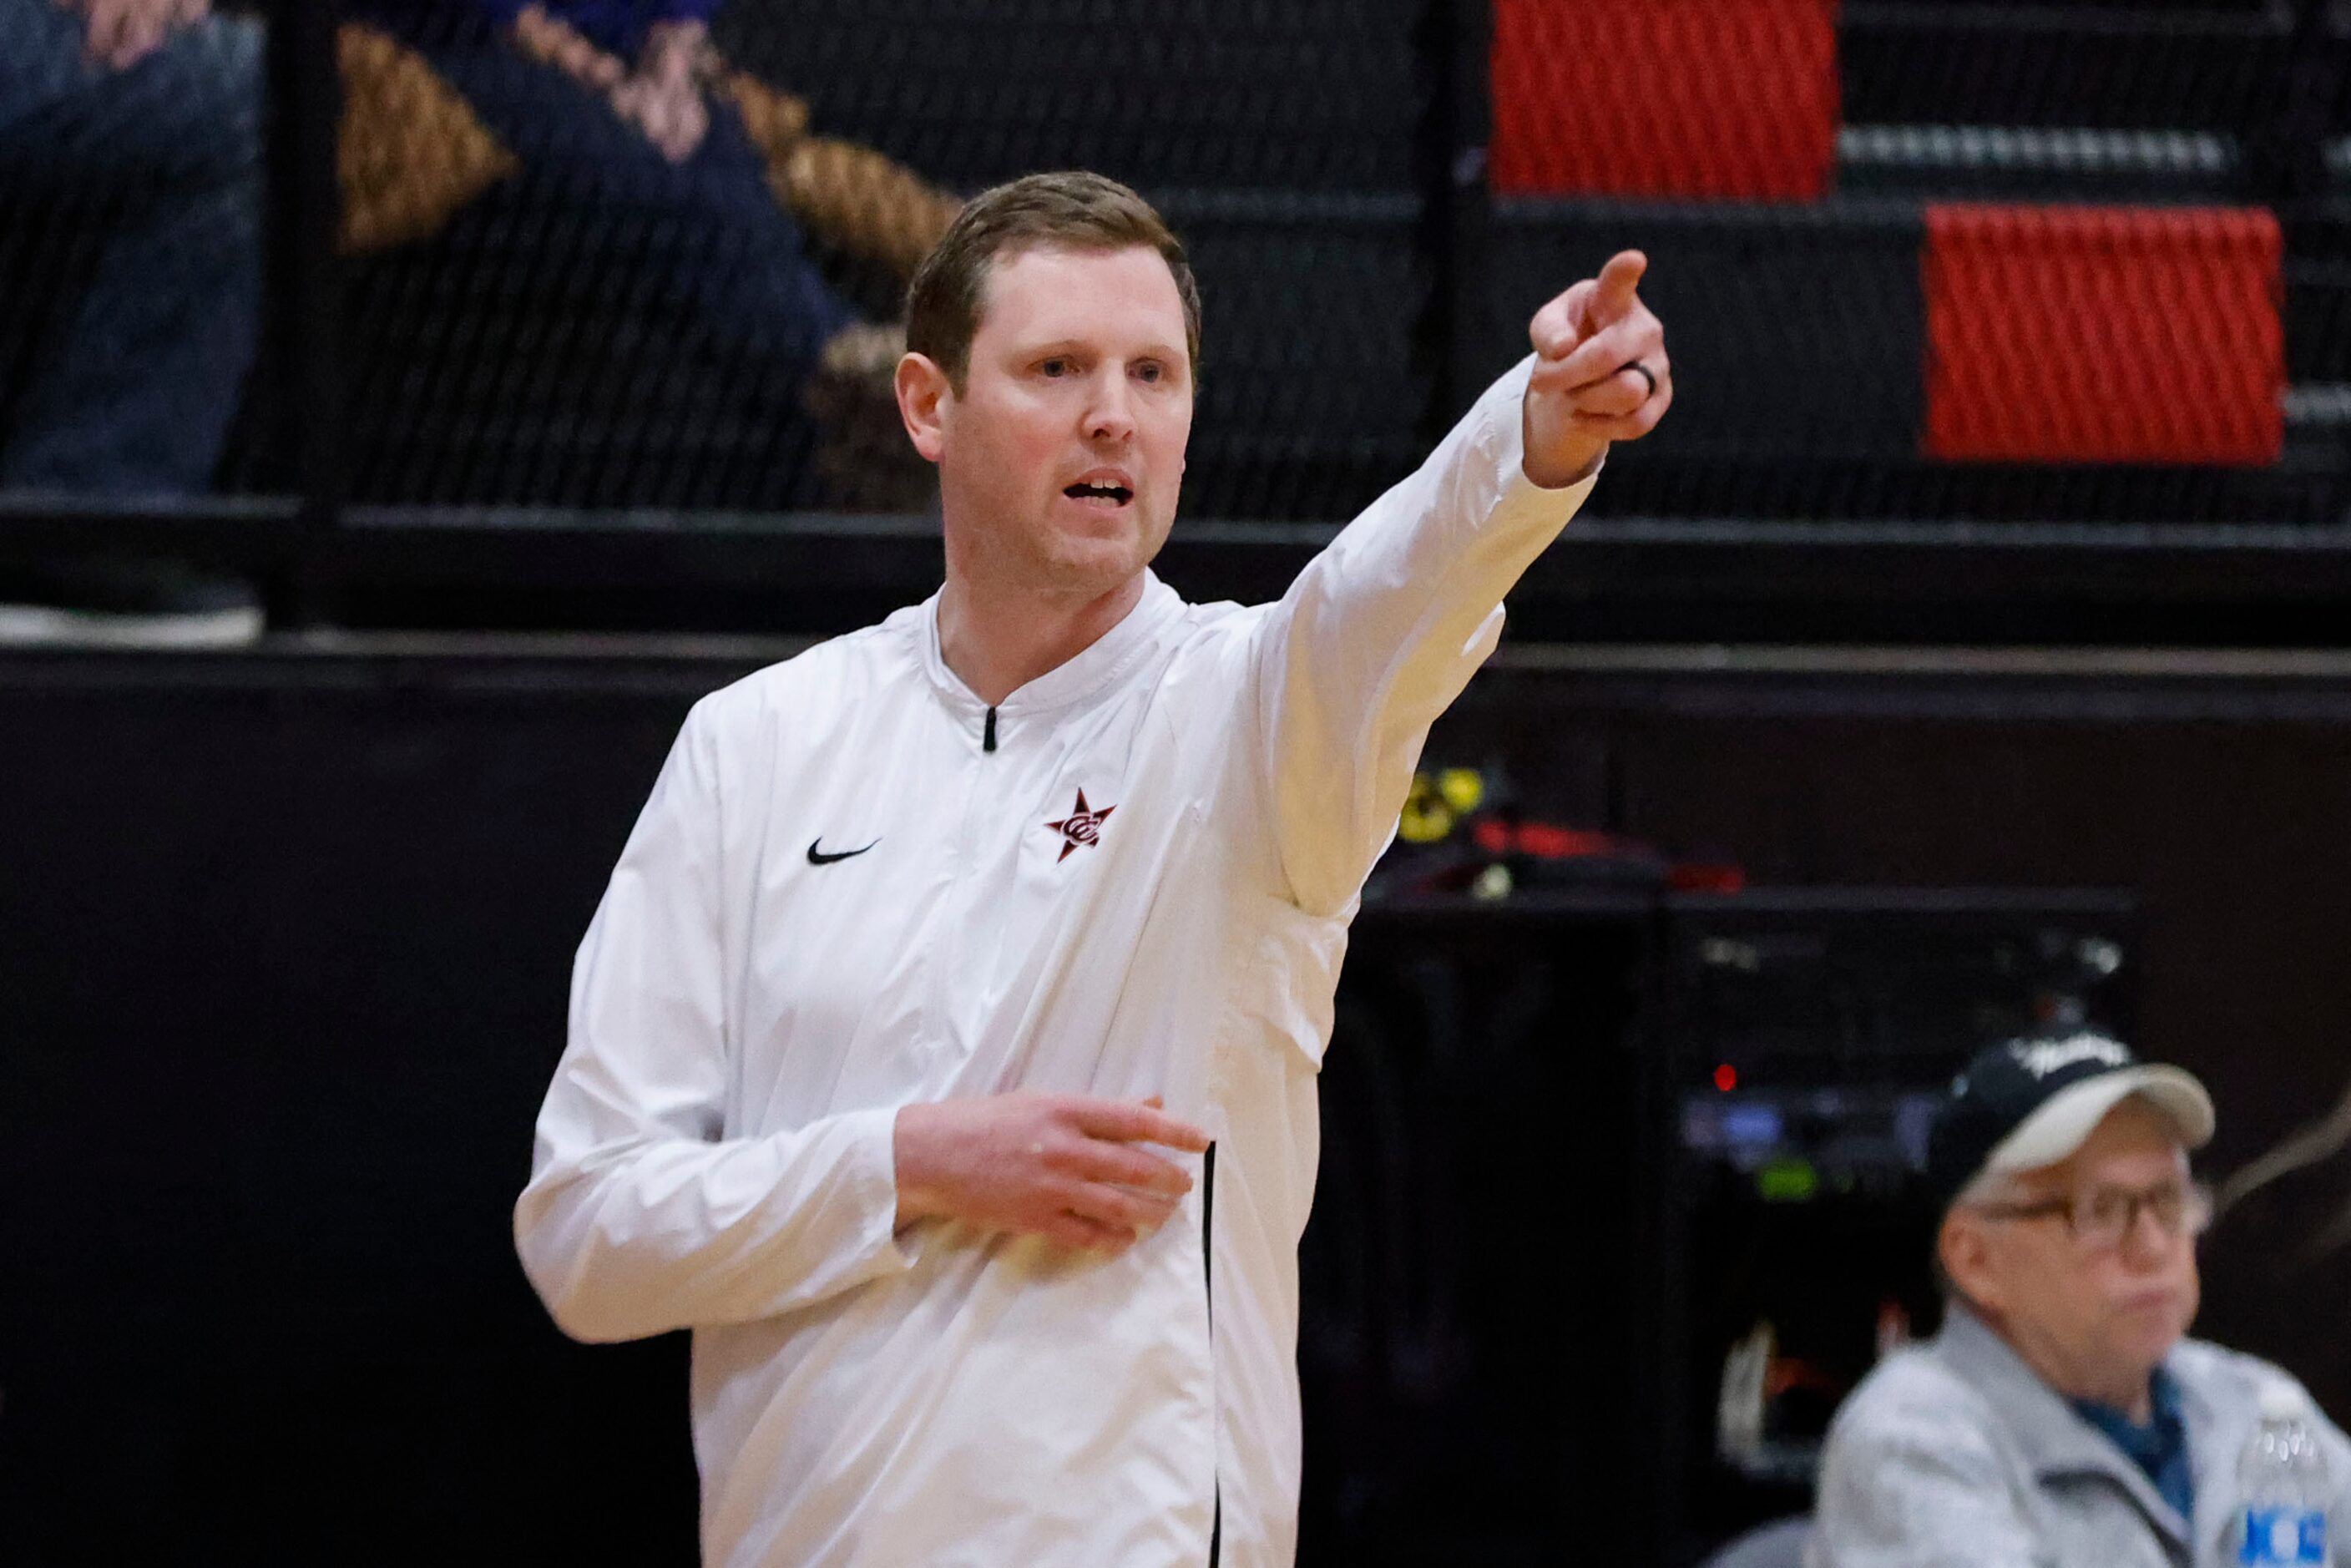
(1955, 1452)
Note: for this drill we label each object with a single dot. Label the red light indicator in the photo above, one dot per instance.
(1726, 1078)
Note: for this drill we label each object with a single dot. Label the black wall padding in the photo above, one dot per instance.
(285, 975)
(1451, 1372)
(285, 982)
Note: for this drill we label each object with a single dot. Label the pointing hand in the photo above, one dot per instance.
(1601, 373)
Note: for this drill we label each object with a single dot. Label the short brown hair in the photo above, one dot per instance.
(1070, 210)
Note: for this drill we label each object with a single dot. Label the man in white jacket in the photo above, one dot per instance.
(942, 1053)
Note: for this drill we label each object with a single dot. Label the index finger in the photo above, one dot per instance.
(1135, 1123)
(1620, 282)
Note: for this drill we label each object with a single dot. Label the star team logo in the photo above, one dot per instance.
(1081, 826)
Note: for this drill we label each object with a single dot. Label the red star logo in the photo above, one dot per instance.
(1080, 827)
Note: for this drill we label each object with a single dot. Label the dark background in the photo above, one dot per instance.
(286, 941)
(285, 933)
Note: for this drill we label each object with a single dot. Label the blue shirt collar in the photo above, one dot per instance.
(2160, 1448)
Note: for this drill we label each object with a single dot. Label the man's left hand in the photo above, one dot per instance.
(1601, 373)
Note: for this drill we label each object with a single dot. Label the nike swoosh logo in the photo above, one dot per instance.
(818, 857)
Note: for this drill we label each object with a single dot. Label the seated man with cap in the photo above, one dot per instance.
(2060, 1416)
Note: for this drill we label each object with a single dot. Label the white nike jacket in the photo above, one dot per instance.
(855, 887)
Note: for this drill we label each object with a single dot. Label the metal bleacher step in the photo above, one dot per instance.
(2044, 163)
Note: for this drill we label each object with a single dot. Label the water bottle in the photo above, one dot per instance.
(2282, 1479)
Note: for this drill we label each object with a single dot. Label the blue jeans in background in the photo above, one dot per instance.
(137, 397)
(709, 235)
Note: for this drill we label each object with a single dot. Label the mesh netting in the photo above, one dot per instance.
(1925, 260)
(582, 263)
(592, 322)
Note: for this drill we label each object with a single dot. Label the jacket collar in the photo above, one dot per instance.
(2216, 1432)
(2057, 1442)
(1071, 681)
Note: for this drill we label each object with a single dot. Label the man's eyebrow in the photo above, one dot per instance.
(1046, 348)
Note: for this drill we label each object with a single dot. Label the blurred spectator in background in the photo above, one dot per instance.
(144, 117)
(628, 108)
(2061, 1417)
(130, 134)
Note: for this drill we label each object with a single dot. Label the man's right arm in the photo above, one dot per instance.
(640, 1216)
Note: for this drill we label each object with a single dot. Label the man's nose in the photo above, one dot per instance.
(1110, 416)
(2146, 1240)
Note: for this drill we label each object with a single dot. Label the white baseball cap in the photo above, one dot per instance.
(2026, 1104)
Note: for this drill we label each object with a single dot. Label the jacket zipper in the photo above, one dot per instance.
(1207, 1236)
(1208, 1283)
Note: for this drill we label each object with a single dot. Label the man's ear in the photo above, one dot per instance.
(924, 395)
(1965, 1248)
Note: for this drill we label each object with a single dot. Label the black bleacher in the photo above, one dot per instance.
(1265, 95)
(1292, 146)
(2113, 66)
(518, 358)
(1796, 328)
(1312, 399)
(1322, 160)
(2318, 296)
(511, 360)
(1794, 331)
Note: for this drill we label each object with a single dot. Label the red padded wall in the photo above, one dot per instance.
(2104, 335)
(1732, 99)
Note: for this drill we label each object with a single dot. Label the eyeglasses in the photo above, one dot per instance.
(2102, 1216)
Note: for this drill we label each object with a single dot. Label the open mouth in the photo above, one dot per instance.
(1100, 494)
